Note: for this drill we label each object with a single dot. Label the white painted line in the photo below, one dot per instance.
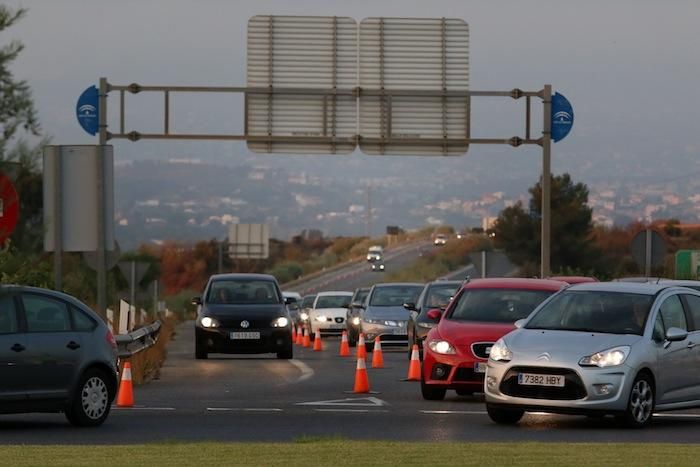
(677, 415)
(144, 408)
(350, 410)
(242, 409)
(352, 402)
(306, 371)
(463, 412)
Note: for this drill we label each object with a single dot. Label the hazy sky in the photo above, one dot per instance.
(631, 68)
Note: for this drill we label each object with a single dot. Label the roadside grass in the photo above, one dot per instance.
(307, 451)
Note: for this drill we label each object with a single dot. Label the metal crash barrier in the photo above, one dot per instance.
(138, 340)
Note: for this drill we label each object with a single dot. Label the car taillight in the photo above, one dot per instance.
(109, 337)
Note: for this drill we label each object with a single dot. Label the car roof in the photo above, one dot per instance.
(338, 292)
(288, 293)
(398, 284)
(644, 288)
(573, 279)
(515, 283)
(242, 276)
(15, 288)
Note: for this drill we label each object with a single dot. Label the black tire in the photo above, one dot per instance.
(369, 347)
(90, 403)
(504, 416)
(200, 353)
(352, 340)
(641, 403)
(464, 392)
(286, 354)
(429, 393)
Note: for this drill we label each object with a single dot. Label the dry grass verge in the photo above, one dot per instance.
(146, 365)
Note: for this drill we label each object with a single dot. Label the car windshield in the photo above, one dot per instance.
(333, 301)
(308, 301)
(243, 292)
(594, 311)
(360, 295)
(497, 305)
(439, 296)
(395, 295)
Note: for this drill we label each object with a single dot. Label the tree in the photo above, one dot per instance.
(18, 119)
(518, 232)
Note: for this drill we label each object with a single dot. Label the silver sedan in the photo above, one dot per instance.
(625, 349)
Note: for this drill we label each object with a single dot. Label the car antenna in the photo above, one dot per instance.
(466, 280)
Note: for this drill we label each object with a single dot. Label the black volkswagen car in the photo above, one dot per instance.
(242, 314)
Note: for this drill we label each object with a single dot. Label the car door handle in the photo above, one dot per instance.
(691, 344)
(73, 345)
(18, 347)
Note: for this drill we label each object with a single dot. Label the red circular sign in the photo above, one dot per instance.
(9, 208)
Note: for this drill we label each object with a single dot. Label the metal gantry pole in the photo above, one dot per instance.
(546, 180)
(101, 227)
(58, 219)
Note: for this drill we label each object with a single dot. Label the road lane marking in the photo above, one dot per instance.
(243, 409)
(144, 408)
(462, 412)
(677, 415)
(352, 402)
(351, 410)
(306, 371)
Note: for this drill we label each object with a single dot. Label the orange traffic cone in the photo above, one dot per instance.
(126, 389)
(317, 342)
(414, 366)
(307, 338)
(361, 380)
(294, 334)
(361, 349)
(377, 356)
(344, 346)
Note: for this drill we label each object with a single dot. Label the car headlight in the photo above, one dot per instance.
(426, 325)
(321, 318)
(500, 352)
(208, 322)
(304, 316)
(280, 322)
(374, 321)
(611, 357)
(356, 321)
(441, 347)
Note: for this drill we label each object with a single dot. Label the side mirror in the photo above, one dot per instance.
(676, 334)
(520, 323)
(288, 300)
(196, 300)
(410, 306)
(434, 314)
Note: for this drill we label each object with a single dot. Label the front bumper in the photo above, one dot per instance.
(390, 335)
(454, 371)
(585, 389)
(219, 340)
(333, 325)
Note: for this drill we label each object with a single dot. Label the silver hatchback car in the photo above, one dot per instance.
(620, 348)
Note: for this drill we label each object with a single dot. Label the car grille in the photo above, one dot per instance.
(467, 374)
(573, 386)
(482, 349)
(339, 320)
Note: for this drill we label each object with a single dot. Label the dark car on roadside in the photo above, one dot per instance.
(435, 295)
(307, 304)
(56, 355)
(242, 314)
(353, 319)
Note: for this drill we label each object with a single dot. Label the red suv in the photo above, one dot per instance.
(484, 310)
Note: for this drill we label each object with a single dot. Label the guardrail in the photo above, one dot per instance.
(138, 340)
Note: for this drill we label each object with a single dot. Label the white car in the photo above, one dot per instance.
(374, 253)
(440, 239)
(329, 313)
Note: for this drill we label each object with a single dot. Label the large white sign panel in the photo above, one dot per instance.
(77, 176)
(249, 241)
(416, 54)
(303, 53)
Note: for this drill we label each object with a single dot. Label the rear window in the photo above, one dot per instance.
(8, 316)
(243, 292)
(497, 305)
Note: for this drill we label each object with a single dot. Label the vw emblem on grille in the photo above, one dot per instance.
(245, 324)
(544, 357)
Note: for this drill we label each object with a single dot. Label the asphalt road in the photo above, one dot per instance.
(260, 398)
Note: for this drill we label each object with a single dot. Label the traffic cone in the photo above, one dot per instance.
(307, 338)
(361, 349)
(126, 388)
(414, 366)
(294, 334)
(300, 336)
(377, 356)
(361, 380)
(344, 346)
(317, 342)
